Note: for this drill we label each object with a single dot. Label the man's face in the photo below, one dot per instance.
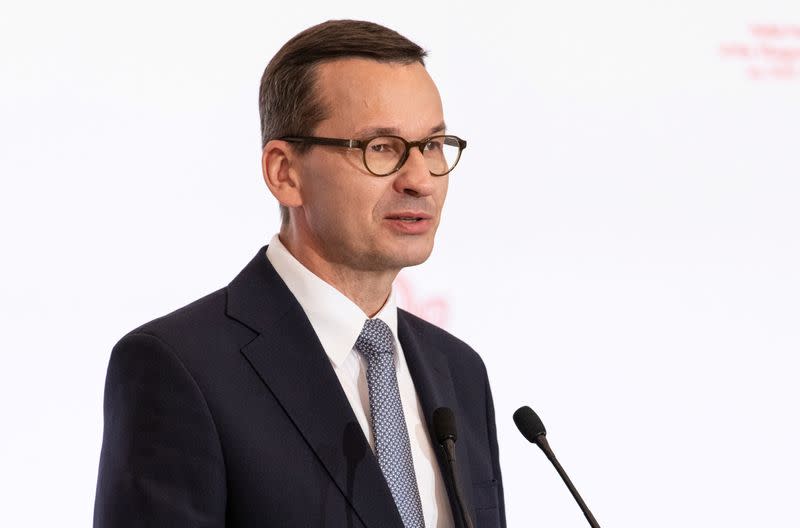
(352, 217)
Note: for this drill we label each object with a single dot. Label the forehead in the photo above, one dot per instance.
(361, 94)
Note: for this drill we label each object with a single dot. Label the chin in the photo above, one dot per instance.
(411, 255)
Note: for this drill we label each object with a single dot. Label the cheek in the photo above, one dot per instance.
(337, 195)
(441, 191)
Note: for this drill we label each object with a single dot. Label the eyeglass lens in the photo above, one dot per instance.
(382, 154)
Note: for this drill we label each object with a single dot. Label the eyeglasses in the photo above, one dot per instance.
(385, 155)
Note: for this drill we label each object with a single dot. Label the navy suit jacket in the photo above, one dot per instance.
(227, 413)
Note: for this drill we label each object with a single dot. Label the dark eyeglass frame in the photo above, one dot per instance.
(362, 145)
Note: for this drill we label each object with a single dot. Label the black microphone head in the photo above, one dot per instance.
(444, 424)
(529, 424)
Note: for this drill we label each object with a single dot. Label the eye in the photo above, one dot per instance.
(379, 147)
(434, 145)
(386, 146)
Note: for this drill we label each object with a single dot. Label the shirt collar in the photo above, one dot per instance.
(336, 319)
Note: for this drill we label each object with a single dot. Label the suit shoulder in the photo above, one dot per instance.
(194, 312)
(198, 324)
(450, 344)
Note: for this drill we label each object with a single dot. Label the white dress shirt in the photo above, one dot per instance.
(337, 322)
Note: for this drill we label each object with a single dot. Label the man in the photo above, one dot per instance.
(299, 395)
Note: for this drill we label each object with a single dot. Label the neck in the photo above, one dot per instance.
(368, 289)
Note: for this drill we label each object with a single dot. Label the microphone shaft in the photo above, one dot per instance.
(545, 446)
(450, 455)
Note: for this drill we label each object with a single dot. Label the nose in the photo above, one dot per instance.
(414, 178)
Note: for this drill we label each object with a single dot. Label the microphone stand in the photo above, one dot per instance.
(450, 454)
(541, 441)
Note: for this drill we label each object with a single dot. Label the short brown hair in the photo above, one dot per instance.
(287, 100)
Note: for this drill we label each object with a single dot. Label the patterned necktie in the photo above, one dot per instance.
(376, 344)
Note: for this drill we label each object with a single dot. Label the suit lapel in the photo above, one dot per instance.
(434, 384)
(290, 360)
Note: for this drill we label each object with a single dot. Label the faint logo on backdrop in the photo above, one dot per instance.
(434, 309)
(766, 52)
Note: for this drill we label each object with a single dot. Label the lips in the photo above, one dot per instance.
(409, 216)
(410, 222)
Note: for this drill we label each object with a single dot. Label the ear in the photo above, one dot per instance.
(279, 167)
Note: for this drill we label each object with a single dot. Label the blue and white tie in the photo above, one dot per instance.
(392, 447)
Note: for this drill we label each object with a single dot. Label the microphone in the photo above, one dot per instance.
(532, 428)
(444, 428)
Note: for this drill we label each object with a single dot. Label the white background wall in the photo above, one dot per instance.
(620, 241)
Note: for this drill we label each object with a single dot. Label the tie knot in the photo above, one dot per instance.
(375, 338)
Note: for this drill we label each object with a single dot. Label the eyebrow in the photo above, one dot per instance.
(394, 131)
